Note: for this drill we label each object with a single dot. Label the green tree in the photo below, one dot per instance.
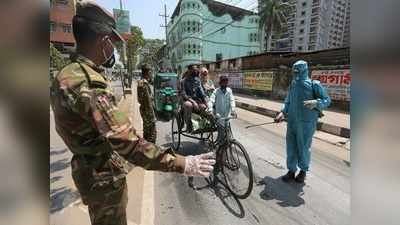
(149, 51)
(57, 62)
(273, 17)
(133, 45)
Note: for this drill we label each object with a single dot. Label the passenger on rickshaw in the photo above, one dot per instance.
(193, 96)
(206, 83)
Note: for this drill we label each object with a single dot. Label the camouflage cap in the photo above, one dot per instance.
(99, 18)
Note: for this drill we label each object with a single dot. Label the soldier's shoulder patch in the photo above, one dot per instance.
(71, 76)
(95, 78)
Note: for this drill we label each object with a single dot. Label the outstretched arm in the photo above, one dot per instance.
(323, 99)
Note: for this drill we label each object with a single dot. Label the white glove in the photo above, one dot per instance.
(311, 104)
(199, 165)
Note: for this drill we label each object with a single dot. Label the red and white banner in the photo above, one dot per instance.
(336, 82)
(235, 79)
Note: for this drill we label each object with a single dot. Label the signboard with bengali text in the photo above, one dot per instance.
(235, 79)
(258, 80)
(336, 82)
(122, 19)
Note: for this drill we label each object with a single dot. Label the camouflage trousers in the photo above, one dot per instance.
(149, 130)
(106, 202)
(111, 211)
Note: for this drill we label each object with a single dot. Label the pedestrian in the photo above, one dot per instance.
(303, 105)
(99, 135)
(146, 101)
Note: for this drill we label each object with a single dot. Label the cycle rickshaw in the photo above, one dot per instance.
(232, 159)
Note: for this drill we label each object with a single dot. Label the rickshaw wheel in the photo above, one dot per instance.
(176, 129)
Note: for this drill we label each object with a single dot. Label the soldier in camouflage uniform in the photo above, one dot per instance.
(145, 98)
(99, 135)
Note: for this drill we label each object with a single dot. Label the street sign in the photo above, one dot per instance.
(122, 19)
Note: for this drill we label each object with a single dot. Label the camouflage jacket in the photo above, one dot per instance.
(145, 99)
(90, 123)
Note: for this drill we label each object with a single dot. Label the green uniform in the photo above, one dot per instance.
(145, 98)
(101, 138)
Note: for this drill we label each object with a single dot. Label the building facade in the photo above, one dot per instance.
(314, 25)
(203, 31)
(61, 35)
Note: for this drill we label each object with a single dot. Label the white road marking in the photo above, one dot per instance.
(147, 212)
(84, 209)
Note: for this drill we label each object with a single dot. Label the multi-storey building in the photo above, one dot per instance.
(313, 25)
(61, 14)
(346, 34)
(202, 31)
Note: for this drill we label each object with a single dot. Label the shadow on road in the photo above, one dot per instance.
(189, 148)
(55, 179)
(59, 165)
(58, 152)
(287, 194)
(348, 164)
(230, 201)
(61, 198)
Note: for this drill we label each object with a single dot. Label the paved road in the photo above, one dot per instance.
(117, 88)
(165, 199)
(325, 199)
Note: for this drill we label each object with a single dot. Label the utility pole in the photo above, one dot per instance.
(165, 23)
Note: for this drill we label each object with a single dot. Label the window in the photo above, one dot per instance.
(253, 37)
(300, 48)
(301, 31)
(218, 57)
(53, 27)
(301, 39)
(67, 28)
(302, 22)
(62, 2)
(304, 4)
(303, 13)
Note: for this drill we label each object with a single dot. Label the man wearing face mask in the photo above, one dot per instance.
(193, 96)
(100, 136)
(304, 103)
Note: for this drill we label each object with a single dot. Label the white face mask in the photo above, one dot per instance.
(109, 61)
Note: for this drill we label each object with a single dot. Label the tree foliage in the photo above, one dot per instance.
(56, 60)
(133, 45)
(150, 49)
(273, 15)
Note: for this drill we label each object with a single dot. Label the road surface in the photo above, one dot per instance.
(165, 199)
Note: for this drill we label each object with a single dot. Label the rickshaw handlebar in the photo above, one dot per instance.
(227, 118)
